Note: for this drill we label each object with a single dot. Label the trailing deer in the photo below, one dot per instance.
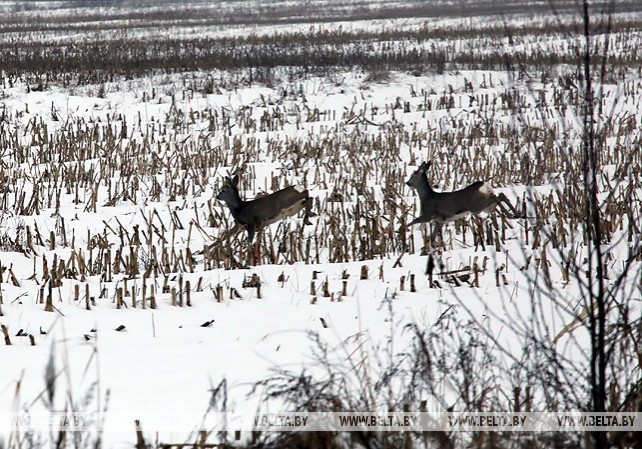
(442, 207)
(263, 211)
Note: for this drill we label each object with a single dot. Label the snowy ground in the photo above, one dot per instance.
(107, 167)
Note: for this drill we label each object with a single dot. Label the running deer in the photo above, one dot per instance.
(263, 211)
(442, 207)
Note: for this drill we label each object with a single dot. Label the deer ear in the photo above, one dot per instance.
(235, 180)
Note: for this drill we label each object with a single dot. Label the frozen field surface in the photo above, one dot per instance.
(123, 294)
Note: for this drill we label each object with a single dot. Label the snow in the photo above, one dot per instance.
(167, 360)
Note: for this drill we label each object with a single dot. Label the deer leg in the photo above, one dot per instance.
(256, 247)
(436, 231)
(501, 200)
(434, 255)
(257, 252)
(416, 221)
(223, 238)
(250, 232)
(308, 211)
(430, 264)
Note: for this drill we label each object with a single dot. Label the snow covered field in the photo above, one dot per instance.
(117, 287)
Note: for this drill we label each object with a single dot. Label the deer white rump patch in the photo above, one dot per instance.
(486, 188)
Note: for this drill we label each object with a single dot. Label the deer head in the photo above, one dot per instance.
(418, 178)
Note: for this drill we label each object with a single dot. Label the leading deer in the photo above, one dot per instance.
(263, 211)
(442, 207)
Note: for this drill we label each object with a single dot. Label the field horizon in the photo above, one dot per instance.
(127, 294)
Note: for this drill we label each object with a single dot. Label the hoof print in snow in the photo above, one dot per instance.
(207, 323)
(120, 328)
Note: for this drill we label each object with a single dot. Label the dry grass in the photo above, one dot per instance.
(516, 131)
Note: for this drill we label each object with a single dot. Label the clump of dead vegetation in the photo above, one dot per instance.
(516, 129)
